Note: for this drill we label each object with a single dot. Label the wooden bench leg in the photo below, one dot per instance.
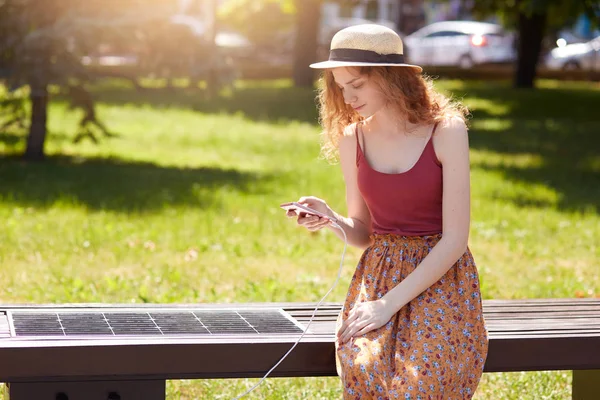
(101, 390)
(586, 384)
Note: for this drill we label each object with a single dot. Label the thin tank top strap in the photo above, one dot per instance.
(432, 133)
(429, 146)
(359, 151)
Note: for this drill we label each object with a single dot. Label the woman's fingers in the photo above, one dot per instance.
(357, 324)
(314, 203)
(365, 329)
(352, 315)
(349, 326)
(355, 331)
(312, 222)
(309, 200)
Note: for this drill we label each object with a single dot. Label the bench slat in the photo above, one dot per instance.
(4, 328)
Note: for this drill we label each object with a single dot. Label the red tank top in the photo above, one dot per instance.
(408, 203)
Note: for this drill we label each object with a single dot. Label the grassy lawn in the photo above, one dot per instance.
(181, 206)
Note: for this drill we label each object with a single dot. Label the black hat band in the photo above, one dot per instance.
(367, 56)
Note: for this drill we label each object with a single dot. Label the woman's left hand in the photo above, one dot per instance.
(363, 318)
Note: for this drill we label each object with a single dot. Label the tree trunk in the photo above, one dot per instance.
(531, 32)
(37, 129)
(308, 18)
(212, 81)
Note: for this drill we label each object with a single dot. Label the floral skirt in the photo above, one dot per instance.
(434, 347)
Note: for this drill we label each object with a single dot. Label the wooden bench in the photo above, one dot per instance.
(525, 335)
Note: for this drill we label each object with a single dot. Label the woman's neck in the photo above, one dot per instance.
(387, 120)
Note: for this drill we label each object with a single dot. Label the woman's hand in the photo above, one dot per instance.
(363, 318)
(312, 222)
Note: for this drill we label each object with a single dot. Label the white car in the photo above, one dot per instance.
(460, 43)
(576, 56)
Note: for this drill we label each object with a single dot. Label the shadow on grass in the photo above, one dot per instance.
(576, 103)
(116, 185)
(10, 140)
(14, 140)
(569, 153)
(578, 191)
(260, 102)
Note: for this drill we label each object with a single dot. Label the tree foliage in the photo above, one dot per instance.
(559, 12)
(43, 42)
(259, 20)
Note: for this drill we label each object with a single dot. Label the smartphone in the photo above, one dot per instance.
(302, 209)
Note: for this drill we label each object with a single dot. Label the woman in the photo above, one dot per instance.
(412, 325)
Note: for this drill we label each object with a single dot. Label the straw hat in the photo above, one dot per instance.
(365, 45)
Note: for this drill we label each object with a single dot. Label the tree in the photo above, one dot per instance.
(280, 20)
(308, 23)
(265, 23)
(42, 42)
(269, 23)
(308, 19)
(533, 19)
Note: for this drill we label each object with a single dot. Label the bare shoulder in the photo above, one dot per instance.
(451, 138)
(451, 126)
(349, 131)
(348, 142)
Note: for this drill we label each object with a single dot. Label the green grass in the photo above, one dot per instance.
(181, 206)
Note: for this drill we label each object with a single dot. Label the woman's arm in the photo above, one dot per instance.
(452, 149)
(357, 224)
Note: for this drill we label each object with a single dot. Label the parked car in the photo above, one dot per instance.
(460, 43)
(577, 56)
(170, 47)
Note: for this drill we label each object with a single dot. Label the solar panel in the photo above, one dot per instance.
(152, 322)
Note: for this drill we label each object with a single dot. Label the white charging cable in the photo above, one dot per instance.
(335, 225)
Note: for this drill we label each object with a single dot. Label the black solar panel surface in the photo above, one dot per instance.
(196, 322)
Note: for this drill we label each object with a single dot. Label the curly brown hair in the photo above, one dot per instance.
(411, 94)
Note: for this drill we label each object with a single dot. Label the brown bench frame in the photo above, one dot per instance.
(525, 335)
